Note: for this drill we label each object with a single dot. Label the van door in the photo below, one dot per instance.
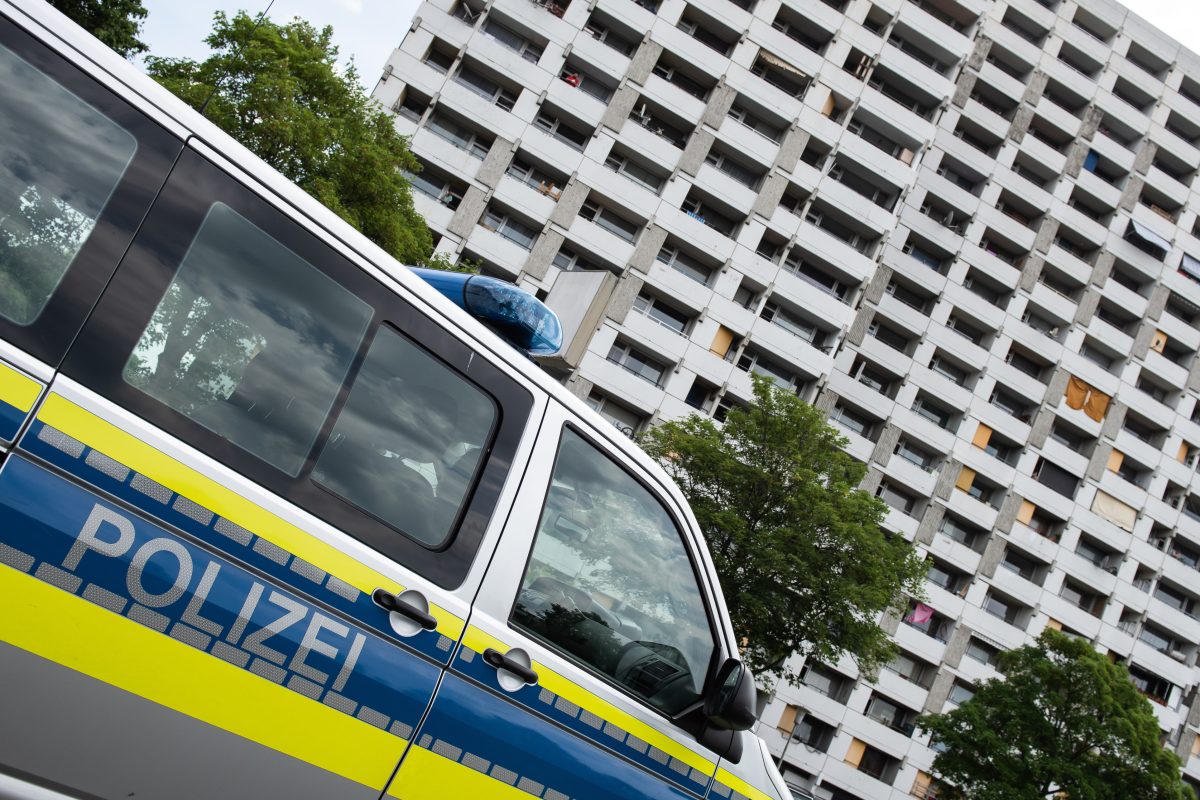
(588, 648)
(240, 531)
(79, 167)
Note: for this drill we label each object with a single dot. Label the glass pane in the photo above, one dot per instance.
(60, 159)
(250, 340)
(610, 582)
(408, 443)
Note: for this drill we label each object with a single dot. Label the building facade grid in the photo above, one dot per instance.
(966, 229)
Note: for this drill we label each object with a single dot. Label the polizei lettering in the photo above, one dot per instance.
(242, 618)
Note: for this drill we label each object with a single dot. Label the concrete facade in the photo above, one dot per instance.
(966, 229)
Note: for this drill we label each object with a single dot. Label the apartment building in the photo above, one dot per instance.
(965, 229)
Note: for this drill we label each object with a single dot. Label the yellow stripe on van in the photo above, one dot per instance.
(71, 419)
(479, 641)
(18, 389)
(68, 630)
(425, 775)
(739, 785)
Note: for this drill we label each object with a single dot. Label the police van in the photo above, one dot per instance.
(277, 519)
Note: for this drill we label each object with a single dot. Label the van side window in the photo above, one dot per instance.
(610, 584)
(409, 441)
(60, 160)
(250, 340)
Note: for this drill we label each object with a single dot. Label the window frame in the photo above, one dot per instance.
(688, 718)
(49, 336)
(98, 357)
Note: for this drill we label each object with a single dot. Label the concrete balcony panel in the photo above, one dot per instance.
(1034, 543)
(1001, 81)
(576, 102)
(764, 94)
(522, 197)
(1161, 225)
(891, 170)
(748, 141)
(1097, 580)
(1124, 297)
(924, 647)
(1181, 284)
(1169, 186)
(909, 317)
(618, 382)
(1023, 187)
(654, 147)
(1061, 307)
(974, 305)
(861, 395)
(860, 784)
(1099, 188)
(1111, 149)
(935, 232)
(1179, 331)
(653, 337)
(835, 251)
(1013, 379)
(442, 153)
(1161, 664)
(1071, 616)
(879, 352)
(687, 291)
(1059, 117)
(791, 349)
(597, 54)
(672, 97)
(907, 693)
(1000, 421)
(1095, 49)
(615, 186)
(953, 395)
(986, 118)
(997, 629)
(497, 250)
(966, 506)
(1021, 234)
(1174, 144)
(858, 207)
(923, 430)
(909, 68)
(473, 107)
(958, 346)
(925, 24)
(592, 237)
(1071, 218)
(709, 365)
(1053, 160)
(1069, 77)
(507, 62)
(1180, 624)
(1065, 457)
(959, 555)
(1169, 371)
(1043, 496)
(436, 215)
(876, 734)
(722, 186)
(909, 474)
(696, 233)
(975, 159)
(1104, 332)
(953, 194)
(827, 308)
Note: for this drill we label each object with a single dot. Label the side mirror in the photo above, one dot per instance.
(730, 704)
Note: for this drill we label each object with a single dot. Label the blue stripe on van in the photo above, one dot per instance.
(71, 538)
(105, 472)
(479, 728)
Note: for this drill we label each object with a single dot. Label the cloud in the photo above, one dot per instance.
(352, 6)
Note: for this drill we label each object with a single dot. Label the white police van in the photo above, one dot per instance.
(279, 520)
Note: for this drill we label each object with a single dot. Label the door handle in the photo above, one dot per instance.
(500, 661)
(388, 601)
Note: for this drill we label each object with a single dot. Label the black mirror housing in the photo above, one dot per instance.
(730, 704)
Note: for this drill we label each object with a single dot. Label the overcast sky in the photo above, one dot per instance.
(368, 30)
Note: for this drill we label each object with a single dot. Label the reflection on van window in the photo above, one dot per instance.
(250, 340)
(59, 161)
(610, 583)
(409, 441)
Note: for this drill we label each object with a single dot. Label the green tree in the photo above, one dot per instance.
(277, 90)
(117, 23)
(797, 545)
(1063, 722)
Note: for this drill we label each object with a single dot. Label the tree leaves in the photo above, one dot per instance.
(1064, 720)
(797, 545)
(277, 89)
(117, 23)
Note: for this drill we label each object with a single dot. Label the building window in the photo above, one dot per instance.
(609, 220)
(516, 231)
(560, 130)
(662, 313)
(633, 360)
(685, 264)
(634, 171)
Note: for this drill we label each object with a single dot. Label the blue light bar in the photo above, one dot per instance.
(513, 313)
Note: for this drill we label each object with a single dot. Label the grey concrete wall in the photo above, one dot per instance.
(619, 107)
(697, 148)
(468, 212)
(643, 61)
(542, 255)
(569, 203)
(495, 162)
(629, 287)
(648, 245)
